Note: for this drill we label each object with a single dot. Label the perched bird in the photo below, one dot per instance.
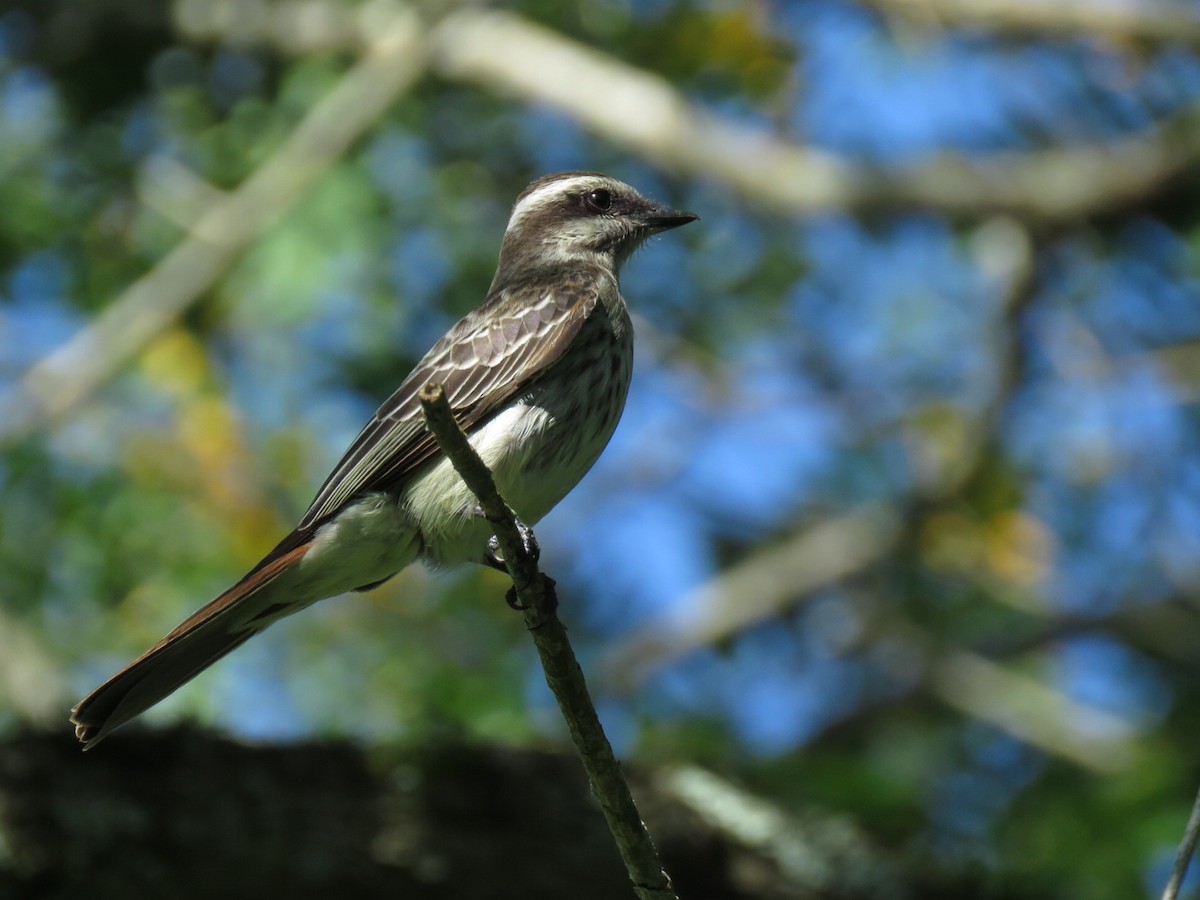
(536, 376)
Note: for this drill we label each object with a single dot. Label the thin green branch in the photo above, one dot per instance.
(535, 596)
(1184, 856)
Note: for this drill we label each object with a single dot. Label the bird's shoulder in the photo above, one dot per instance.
(515, 328)
(531, 303)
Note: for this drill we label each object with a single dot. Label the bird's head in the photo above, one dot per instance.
(579, 217)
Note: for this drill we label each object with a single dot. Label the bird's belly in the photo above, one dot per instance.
(368, 541)
(537, 448)
(536, 453)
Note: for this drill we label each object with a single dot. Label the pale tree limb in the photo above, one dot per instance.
(1035, 713)
(642, 111)
(1004, 695)
(784, 576)
(645, 113)
(756, 590)
(821, 855)
(1147, 21)
(60, 381)
(504, 53)
(31, 681)
(176, 192)
(299, 27)
(1179, 363)
(534, 593)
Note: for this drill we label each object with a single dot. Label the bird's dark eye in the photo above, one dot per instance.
(599, 201)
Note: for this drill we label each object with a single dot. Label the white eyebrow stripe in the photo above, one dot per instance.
(548, 194)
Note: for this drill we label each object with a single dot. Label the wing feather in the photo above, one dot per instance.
(485, 360)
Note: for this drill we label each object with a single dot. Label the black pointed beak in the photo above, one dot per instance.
(660, 218)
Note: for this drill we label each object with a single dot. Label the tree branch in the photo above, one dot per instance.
(1148, 21)
(827, 856)
(1187, 846)
(645, 113)
(59, 382)
(1034, 712)
(535, 594)
(756, 590)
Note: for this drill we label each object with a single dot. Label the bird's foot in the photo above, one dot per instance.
(549, 608)
(493, 557)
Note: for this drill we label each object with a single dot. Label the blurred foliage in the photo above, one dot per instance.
(1022, 396)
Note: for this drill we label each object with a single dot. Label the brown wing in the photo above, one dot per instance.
(485, 360)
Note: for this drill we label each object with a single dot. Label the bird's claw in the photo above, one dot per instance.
(549, 606)
(493, 557)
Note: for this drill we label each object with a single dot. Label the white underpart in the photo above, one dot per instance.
(368, 541)
(444, 504)
(375, 537)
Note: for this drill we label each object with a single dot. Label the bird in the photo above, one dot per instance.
(536, 376)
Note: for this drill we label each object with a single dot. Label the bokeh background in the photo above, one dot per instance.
(903, 518)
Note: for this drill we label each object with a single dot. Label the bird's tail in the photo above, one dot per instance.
(220, 627)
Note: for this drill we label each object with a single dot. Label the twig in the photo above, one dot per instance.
(1149, 21)
(651, 116)
(535, 595)
(647, 114)
(66, 377)
(1034, 712)
(757, 589)
(1184, 857)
